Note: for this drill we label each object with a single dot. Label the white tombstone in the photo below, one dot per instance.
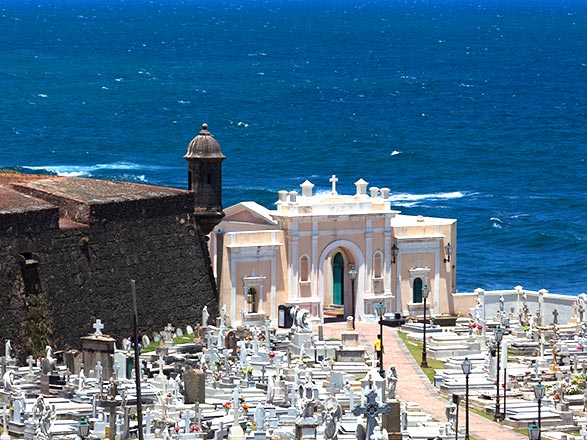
(205, 316)
(7, 350)
(223, 314)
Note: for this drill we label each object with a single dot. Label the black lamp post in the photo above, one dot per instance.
(533, 431)
(467, 367)
(353, 277)
(83, 428)
(498, 332)
(424, 363)
(380, 308)
(539, 392)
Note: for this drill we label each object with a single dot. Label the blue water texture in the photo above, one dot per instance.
(473, 110)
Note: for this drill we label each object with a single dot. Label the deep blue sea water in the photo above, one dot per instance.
(474, 110)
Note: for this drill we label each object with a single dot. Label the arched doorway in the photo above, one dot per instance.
(417, 291)
(338, 280)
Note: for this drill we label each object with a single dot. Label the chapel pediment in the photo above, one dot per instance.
(249, 213)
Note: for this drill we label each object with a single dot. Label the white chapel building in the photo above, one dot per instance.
(336, 255)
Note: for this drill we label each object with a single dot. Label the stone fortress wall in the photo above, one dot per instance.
(83, 244)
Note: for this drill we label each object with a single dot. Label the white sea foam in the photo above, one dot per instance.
(410, 200)
(395, 153)
(496, 222)
(89, 170)
(405, 197)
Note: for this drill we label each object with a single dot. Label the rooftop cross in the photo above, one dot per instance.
(333, 180)
(98, 326)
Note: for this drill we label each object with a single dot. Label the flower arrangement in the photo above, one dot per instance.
(227, 405)
(217, 377)
(247, 371)
(573, 390)
(245, 406)
(195, 428)
(271, 354)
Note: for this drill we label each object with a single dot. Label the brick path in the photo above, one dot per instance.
(414, 386)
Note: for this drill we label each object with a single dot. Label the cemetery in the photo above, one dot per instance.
(214, 381)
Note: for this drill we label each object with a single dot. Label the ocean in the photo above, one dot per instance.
(474, 110)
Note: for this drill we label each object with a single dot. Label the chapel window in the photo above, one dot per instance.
(417, 292)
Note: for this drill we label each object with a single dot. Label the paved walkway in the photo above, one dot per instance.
(414, 386)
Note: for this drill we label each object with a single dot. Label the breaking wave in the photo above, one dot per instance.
(92, 170)
(410, 200)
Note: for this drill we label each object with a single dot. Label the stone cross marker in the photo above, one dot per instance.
(371, 409)
(98, 326)
(187, 416)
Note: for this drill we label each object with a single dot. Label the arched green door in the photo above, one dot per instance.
(337, 279)
(417, 295)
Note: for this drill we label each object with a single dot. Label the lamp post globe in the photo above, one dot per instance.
(533, 431)
(83, 428)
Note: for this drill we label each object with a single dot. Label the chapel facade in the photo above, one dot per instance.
(336, 255)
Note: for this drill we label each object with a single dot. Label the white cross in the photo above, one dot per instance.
(333, 180)
(98, 326)
(187, 415)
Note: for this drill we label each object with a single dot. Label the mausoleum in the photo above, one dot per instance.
(333, 254)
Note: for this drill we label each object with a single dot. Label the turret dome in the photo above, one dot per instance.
(204, 146)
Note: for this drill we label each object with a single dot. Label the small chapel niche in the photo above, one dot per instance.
(251, 300)
(29, 268)
(304, 268)
(378, 272)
